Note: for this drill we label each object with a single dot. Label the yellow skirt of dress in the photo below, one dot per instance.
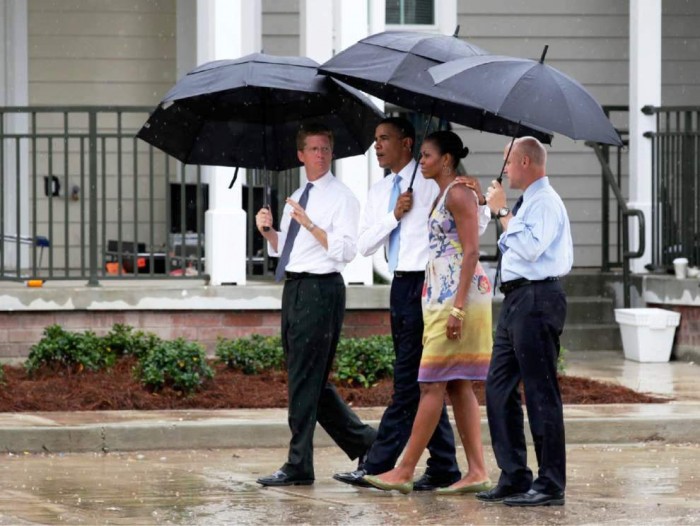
(468, 357)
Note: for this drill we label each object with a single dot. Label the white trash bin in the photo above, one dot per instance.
(647, 334)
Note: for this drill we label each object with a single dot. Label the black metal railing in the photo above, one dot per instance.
(90, 201)
(612, 181)
(675, 228)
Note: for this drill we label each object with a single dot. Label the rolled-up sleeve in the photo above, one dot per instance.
(342, 235)
(282, 234)
(529, 240)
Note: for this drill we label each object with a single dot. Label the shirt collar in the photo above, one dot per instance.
(406, 172)
(535, 187)
(324, 180)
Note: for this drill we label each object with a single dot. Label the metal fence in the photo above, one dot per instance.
(676, 185)
(82, 198)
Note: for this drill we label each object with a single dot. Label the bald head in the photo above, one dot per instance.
(533, 149)
(526, 162)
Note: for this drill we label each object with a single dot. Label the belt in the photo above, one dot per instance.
(409, 273)
(509, 286)
(309, 275)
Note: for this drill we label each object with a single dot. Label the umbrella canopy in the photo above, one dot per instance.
(246, 113)
(393, 66)
(529, 92)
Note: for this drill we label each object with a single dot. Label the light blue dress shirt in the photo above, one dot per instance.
(537, 244)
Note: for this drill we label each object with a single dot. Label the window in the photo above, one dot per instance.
(410, 12)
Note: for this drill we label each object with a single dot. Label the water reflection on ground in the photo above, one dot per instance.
(629, 484)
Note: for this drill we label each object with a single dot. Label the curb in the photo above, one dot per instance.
(584, 425)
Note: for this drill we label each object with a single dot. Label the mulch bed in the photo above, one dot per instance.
(117, 388)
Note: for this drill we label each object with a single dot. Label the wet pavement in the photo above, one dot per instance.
(627, 464)
(651, 483)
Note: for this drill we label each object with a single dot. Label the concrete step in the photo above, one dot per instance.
(580, 310)
(591, 337)
(584, 282)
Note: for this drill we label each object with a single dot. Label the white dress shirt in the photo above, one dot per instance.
(378, 221)
(333, 207)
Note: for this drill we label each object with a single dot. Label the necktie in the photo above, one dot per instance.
(291, 235)
(393, 256)
(514, 211)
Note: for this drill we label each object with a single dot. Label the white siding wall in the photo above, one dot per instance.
(280, 27)
(589, 41)
(100, 52)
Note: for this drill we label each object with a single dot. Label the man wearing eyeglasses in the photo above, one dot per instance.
(317, 238)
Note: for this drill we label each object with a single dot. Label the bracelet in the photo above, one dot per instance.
(457, 313)
(311, 226)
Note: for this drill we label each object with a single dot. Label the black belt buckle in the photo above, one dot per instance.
(408, 273)
(302, 275)
(509, 286)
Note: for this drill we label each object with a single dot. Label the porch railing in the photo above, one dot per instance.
(82, 198)
(675, 228)
(610, 159)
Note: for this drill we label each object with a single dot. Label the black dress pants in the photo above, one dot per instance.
(526, 346)
(312, 317)
(397, 421)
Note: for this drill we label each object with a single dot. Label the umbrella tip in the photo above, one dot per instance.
(456, 33)
(544, 53)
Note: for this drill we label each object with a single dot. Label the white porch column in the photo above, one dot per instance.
(645, 89)
(14, 91)
(226, 29)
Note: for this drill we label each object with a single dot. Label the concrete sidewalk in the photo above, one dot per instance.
(676, 421)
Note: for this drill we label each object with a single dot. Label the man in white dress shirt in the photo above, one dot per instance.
(402, 228)
(317, 238)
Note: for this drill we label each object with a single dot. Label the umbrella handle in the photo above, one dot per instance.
(415, 169)
(425, 132)
(512, 141)
(267, 197)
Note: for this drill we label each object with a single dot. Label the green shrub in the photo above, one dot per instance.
(64, 349)
(251, 355)
(178, 364)
(364, 360)
(561, 360)
(123, 341)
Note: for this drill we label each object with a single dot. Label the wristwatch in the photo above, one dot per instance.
(503, 212)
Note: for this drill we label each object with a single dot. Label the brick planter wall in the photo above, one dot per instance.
(20, 330)
(686, 344)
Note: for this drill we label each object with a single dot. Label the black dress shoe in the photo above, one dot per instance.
(280, 478)
(354, 478)
(536, 498)
(497, 494)
(429, 482)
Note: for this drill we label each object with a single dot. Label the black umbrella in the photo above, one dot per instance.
(393, 66)
(246, 113)
(528, 92)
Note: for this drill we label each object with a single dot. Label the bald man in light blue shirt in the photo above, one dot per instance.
(536, 251)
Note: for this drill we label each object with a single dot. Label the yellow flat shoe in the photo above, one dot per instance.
(469, 488)
(404, 487)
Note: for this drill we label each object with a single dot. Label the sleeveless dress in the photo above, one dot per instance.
(444, 359)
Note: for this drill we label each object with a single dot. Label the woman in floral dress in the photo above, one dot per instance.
(457, 312)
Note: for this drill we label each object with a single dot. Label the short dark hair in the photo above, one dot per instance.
(312, 128)
(449, 142)
(403, 126)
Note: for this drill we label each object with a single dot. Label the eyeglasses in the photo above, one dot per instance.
(325, 150)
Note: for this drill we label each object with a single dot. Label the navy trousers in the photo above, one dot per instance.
(526, 347)
(397, 420)
(313, 309)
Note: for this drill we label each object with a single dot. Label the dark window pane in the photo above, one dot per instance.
(414, 12)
